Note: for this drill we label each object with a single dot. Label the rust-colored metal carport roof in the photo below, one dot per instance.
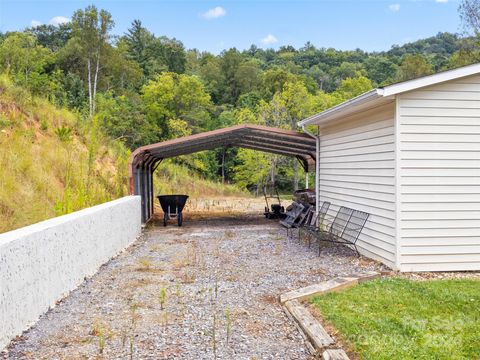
(273, 140)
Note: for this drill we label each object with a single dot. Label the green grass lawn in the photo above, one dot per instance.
(395, 318)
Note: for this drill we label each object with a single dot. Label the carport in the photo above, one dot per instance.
(145, 159)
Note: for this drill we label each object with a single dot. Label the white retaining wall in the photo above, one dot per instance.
(40, 264)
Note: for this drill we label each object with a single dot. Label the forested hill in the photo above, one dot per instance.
(139, 87)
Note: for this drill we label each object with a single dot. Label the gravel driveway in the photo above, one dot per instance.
(207, 290)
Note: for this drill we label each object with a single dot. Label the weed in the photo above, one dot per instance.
(165, 319)
(64, 134)
(100, 332)
(188, 277)
(210, 294)
(124, 336)
(228, 324)
(278, 249)
(4, 122)
(44, 124)
(132, 346)
(162, 298)
(214, 338)
(133, 325)
(216, 248)
(194, 251)
(145, 264)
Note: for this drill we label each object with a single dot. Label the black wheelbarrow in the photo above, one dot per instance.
(172, 206)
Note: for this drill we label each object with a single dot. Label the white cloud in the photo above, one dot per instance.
(394, 7)
(441, 1)
(214, 13)
(269, 40)
(57, 20)
(35, 23)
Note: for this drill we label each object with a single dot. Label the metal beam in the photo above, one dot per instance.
(299, 138)
(300, 148)
(270, 150)
(288, 149)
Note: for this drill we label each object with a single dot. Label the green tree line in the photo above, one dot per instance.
(142, 88)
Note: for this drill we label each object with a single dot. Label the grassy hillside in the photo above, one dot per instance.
(53, 162)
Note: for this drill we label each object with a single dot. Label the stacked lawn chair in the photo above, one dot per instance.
(295, 217)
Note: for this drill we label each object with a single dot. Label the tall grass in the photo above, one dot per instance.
(51, 161)
(172, 178)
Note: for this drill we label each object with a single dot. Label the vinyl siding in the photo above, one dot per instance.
(357, 169)
(439, 177)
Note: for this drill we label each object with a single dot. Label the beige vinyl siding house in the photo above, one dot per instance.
(439, 184)
(357, 169)
(409, 154)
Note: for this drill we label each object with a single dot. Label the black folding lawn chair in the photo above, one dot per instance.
(345, 228)
(313, 224)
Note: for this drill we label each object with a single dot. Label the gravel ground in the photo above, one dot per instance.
(204, 291)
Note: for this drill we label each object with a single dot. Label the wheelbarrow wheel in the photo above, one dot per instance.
(165, 219)
(180, 219)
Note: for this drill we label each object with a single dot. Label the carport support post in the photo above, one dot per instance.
(317, 174)
(317, 168)
(152, 199)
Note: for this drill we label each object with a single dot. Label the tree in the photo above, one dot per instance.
(91, 29)
(380, 69)
(154, 55)
(274, 79)
(122, 118)
(176, 96)
(52, 37)
(138, 40)
(120, 72)
(253, 168)
(346, 70)
(470, 52)
(288, 106)
(212, 76)
(173, 54)
(21, 56)
(248, 76)
(412, 67)
(470, 14)
(75, 94)
(230, 61)
(351, 87)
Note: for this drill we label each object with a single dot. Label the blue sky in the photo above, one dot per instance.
(216, 25)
